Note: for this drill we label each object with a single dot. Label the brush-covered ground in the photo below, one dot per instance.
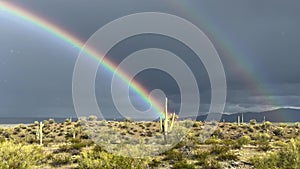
(67, 145)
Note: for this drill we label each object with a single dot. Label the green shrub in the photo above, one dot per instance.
(264, 162)
(251, 129)
(201, 157)
(174, 154)
(19, 156)
(183, 165)
(51, 121)
(286, 158)
(227, 156)
(103, 160)
(278, 131)
(154, 163)
(252, 122)
(80, 145)
(289, 157)
(92, 118)
(233, 127)
(280, 144)
(45, 122)
(68, 120)
(212, 164)
(212, 140)
(2, 139)
(61, 159)
(267, 124)
(217, 149)
(244, 140)
(263, 141)
(283, 125)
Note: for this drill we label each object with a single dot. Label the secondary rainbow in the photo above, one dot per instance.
(70, 39)
(254, 79)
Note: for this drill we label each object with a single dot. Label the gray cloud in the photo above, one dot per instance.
(257, 42)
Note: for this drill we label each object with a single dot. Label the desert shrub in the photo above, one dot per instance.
(286, 158)
(51, 121)
(212, 140)
(45, 122)
(188, 123)
(128, 120)
(280, 143)
(183, 165)
(98, 148)
(103, 160)
(289, 157)
(233, 127)
(267, 124)
(262, 141)
(297, 125)
(154, 163)
(19, 156)
(217, 149)
(2, 139)
(218, 133)
(196, 124)
(174, 154)
(264, 162)
(283, 125)
(92, 118)
(264, 147)
(212, 164)
(80, 145)
(182, 143)
(251, 129)
(227, 156)
(73, 148)
(61, 159)
(68, 120)
(252, 122)
(278, 131)
(244, 140)
(227, 142)
(201, 157)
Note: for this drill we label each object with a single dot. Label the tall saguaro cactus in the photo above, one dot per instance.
(165, 124)
(39, 133)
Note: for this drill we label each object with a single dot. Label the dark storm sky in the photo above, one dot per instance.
(258, 43)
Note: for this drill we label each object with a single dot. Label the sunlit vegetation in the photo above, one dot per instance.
(67, 145)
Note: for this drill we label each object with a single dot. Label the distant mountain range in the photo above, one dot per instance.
(277, 115)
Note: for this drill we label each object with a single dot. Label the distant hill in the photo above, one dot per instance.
(277, 115)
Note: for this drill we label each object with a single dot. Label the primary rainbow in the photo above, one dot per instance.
(70, 39)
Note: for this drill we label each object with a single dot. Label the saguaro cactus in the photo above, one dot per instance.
(165, 124)
(242, 117)
(39, 132)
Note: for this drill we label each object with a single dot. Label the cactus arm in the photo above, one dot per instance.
(166, 120)
(172, 122)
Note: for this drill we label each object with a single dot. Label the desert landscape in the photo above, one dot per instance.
(50, 144)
